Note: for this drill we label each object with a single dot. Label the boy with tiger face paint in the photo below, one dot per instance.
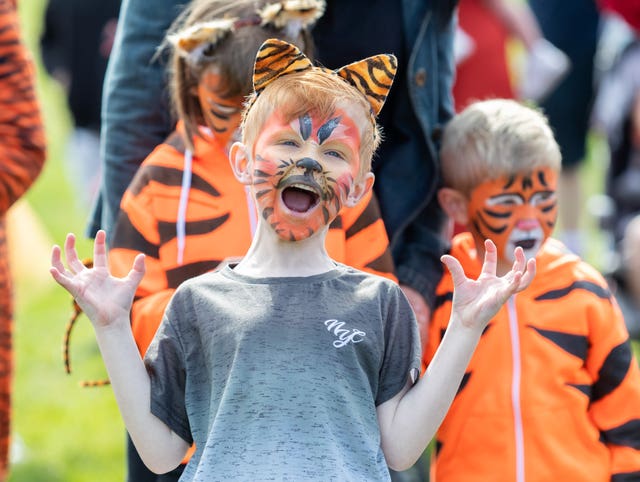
(500, 176)
(304, 167)
(553, 382)
(289, 366)
(303, 172)
(515, 210)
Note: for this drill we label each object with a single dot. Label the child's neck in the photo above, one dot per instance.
(270, 256)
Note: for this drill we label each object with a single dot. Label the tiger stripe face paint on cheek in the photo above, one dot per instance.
(221, 114)
(304, 171)
(515, 211)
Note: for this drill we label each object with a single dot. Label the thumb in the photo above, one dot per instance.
(138, 270)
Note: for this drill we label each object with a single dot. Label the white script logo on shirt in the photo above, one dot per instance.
(343, 335)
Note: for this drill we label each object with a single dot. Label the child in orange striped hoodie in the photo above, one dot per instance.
(553, 390)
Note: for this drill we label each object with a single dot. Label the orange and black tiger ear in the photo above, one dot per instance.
(373, 77)
(274, 59)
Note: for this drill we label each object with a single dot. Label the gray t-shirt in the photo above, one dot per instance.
(279, 378)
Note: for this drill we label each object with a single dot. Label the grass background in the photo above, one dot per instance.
(64, 433)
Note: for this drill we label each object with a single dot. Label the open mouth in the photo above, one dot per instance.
(526, 243)
(300, 198)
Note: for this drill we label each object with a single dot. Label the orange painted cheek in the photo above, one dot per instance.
(548, 221)
(228, 130)
(484, 226)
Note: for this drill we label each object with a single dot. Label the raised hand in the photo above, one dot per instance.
(103, 298)
(475, 302)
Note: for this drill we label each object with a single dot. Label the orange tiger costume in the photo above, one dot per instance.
(22, 153)
(552, 391)
(217, 225)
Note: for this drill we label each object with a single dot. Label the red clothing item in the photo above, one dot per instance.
(629, 10)
(218, 225)
(552, 392)
(485, 73)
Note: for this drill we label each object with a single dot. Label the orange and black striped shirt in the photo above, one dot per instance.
(22, 155)
(22, 140)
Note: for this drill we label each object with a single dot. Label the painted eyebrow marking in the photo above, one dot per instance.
(305, 126)
(327, 128)
(542, 178)
(509, 182)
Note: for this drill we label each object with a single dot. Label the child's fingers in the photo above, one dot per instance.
(528, 275)
(137, 270)
(520, 259)
(100, 250)
(75, 265)
(56, 260)
(490, 258)
(63, 280)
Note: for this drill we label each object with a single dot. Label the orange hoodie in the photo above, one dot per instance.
(552, 392)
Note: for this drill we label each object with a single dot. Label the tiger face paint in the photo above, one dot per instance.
(221, 114)
(515, 211)
(304, 170)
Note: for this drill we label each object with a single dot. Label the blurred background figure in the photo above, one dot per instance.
(501, 53)
(22, 154)
(483, 65)
(625, 279)
(616, 116)
(572, 26)
(75, 45)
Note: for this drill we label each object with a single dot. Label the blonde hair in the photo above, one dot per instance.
(232, 55)
(493, 138)
(315, 90)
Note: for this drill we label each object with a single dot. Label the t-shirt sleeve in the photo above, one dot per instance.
(164, 361)
(402, 355)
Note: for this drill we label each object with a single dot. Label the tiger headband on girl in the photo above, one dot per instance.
(291, 16)
(372, 77)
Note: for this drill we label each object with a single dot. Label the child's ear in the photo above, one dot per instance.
(240, 162)
(359, 189)
(454, 204)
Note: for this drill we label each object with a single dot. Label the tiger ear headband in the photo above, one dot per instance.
(372, 77)
(290, 16)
